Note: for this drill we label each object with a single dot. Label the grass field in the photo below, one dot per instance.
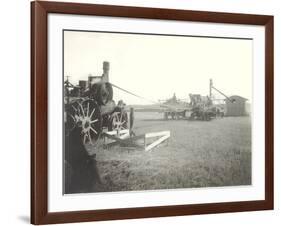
(198, 154)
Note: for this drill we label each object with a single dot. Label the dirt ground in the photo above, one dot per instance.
(198, 154)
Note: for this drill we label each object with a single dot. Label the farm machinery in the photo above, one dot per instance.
(202, 108)
(90, 113)
(174, 108)
(92, 108)
(199, 108)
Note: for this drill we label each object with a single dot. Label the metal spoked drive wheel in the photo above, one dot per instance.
(86, 114)
(119, 121)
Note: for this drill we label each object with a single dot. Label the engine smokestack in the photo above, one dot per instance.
(105, 75)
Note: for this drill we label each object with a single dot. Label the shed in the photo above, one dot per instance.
(235, 106)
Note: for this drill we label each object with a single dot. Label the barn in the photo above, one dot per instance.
(235, 106)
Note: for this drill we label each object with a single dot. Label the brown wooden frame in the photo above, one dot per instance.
(39, 107)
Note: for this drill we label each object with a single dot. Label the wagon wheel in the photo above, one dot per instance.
(118, 122)
(192, 115)
(86, 114)
(71, 116)
(91, 121)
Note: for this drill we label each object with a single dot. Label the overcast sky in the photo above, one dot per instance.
(156, 66)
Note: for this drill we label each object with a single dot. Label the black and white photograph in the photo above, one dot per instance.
(155, 111)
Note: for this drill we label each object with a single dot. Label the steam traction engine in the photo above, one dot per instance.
(91, 107)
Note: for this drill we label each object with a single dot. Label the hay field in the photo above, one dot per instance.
(198, 154)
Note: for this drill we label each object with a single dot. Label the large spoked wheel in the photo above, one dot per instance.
(71, 115)
(86, 114)
(118, 122)
(91, 121)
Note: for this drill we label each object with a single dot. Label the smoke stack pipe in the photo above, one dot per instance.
(105, 75)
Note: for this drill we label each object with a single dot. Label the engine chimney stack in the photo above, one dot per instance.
(105, 75)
